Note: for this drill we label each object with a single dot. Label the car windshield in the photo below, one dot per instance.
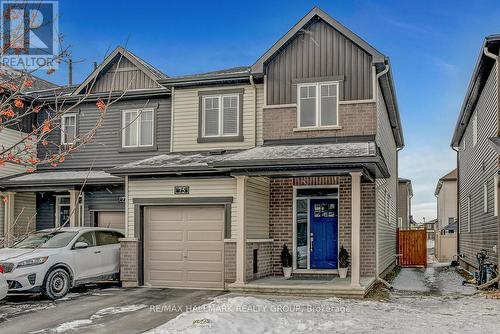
(56, 239)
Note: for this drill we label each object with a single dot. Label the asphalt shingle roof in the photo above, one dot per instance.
(59, 177)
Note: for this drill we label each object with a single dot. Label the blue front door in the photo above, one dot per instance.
(324, 233)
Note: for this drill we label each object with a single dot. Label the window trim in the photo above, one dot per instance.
(63, 125)
(238, 137)
(495, 194)
(485, 197)
(474, 130)
(468, 215)
(317, 86)
(138, 112)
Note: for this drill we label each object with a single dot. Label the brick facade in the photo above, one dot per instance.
(281, 217)
(129, 262)
(354, 119)
(264, 251)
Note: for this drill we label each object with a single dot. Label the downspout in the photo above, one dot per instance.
(254, 109)
(377, 276)
(487, 53)
(458, 203)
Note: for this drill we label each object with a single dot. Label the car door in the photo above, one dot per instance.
(109, 245)
(87, 261)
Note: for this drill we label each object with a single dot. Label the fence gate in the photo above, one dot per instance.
(412, 248)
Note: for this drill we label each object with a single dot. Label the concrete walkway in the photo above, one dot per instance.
(437, 279)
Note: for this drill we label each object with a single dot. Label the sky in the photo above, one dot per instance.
(433, 47)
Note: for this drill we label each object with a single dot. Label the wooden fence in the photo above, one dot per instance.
(412, 248)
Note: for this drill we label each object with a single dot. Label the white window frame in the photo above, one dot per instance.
(136, 121)
(63, 128)
(485, 197)
(468, 215)
(495, 194)
(221, 115)
(81, 200)
(317, 86)
(474, 130)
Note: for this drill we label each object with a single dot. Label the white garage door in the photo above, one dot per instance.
(111, 219)
(184, 247)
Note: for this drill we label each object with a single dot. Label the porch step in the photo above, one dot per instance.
(314, 277)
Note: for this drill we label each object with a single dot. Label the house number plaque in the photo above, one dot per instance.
(181, 190)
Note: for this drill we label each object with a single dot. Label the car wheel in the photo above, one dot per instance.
(57, 283)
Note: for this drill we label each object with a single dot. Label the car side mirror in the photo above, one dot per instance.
(80, 245)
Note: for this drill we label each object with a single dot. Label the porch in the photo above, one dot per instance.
(337, 287)
(48, 199)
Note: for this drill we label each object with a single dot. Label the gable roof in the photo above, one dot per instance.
(258, 67)
(152, 72)
(480, 75)
(451, 176)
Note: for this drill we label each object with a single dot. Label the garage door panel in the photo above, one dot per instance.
(167, 236)
(205, 236)
(205, 256)
(111, 219)
(184, 247)
(166, 255)
(167, 276)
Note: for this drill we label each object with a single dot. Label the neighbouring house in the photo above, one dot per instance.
(405, 194)
(21, 217)
(446, 195)
(474, 139)
(136, 126)
(298, 149)
(430, 229)
(446, 239)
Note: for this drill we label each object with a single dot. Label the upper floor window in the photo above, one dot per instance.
(138, 128)
(220, 115)
(474, 130)
(68, 129)
(318, 104)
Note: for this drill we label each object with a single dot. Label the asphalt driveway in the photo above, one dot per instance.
(99, 310)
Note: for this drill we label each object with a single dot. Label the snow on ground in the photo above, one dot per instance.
(426, 301)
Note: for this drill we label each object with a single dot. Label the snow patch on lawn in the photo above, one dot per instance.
(410, 315)
(410, 280)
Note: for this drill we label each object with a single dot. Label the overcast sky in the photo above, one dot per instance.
(433, 46)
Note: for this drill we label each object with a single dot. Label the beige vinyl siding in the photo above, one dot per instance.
(24, 214)
(477, 165)
(258, 208)
(186, 118)
(386, 224)
(9, 137)
(260, 114)
(164, 188)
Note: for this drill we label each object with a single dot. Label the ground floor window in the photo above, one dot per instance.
(316, 228)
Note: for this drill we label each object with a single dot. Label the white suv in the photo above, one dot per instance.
(53, 261)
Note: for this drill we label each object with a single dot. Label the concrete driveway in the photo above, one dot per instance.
(99, 310)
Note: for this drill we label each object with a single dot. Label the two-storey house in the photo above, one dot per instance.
(136, 125)
(475, 139)
(298, 149)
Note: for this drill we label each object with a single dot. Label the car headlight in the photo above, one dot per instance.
(32, 262)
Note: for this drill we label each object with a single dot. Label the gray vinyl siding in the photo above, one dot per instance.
(320, 51)
(121, 77)
(105, 198)
(478, 165)
(386, 224)
(45, 210)
(105, 150)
